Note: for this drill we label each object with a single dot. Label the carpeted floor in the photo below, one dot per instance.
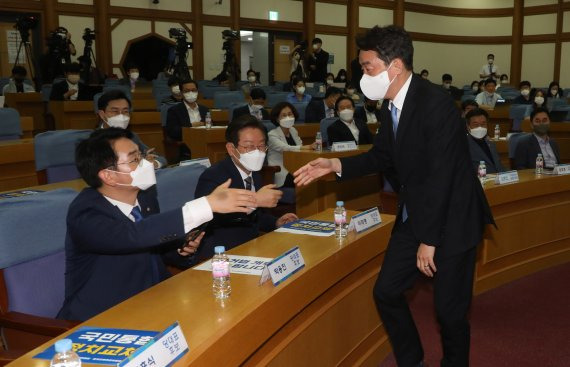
(524, 323)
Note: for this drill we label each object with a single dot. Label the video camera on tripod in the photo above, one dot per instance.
(179, 64)
(24, 25)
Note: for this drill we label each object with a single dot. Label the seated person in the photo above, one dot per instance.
(480, 147)
(70, 89)
(251, 82)
(341, 76)
(115, 234)
(320, 108)
(114, 110)
(176, 95)
(530, 145)
(446, 80)
(246, 146)
(185, 114)
(475, 87)
(329, 81)
(132, 80)
(537, 99)
(488, 98)
(346, 128)
(284, 138)
(352, 92)
(524, 98)
(298, 95)
(468, 105)
(554, 91)
(369, 112)
(16, 84)
(255, 106)
(504, 80)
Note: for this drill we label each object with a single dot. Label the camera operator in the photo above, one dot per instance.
(318, 62)
(297, 57)
(71, 89)
(230, 72)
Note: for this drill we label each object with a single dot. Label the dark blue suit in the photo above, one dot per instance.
(109, 258)
(230, 230)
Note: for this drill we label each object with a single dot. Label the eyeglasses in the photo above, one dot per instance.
(250, 148)
(138, 159)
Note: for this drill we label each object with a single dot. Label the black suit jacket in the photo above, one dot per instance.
(527, 150)
(244, 110)
(493, 164)
(59, 89)
(320, 60)
(315, 110)
(360, 114)
(230, 230)
(177, 117)
(429, 157)
(109, 258)
(338, 131)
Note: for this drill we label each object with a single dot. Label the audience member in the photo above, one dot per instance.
(329, 79)
(468, 105)
(255, 106)
(115, 234)
(554, 91)
(298, 95)
(352, 92)
(132, 80)
(446, 81)
(475, 87)
(538, 99)
(424, 74)
(529, 146)
(318, 62)
(489, 97)
(246, 139)
(297, 63)
(504, 81)
(252, 82)
(369, 112)
(284, 138)
(347, 128)
(319, 108)
(175, 93)
(341, 76)
(489, 70)
(524, 98)
(481, 147)
(16, 83)
(71, 89)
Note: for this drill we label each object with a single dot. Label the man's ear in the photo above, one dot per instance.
(107, 177)
(101, 115)
(230, 149)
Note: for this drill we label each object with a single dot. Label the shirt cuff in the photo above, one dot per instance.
(158, 164)
(196, 212)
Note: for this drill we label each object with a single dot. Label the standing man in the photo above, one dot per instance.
(318, 62)
(489, 70)
(422, 147)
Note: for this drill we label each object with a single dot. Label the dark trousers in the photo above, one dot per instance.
(453, 287)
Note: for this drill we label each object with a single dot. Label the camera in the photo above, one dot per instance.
(230, 35)
(88, 35)
(177, 33)
(24, 25)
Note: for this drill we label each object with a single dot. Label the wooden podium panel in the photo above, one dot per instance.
(29, 104)
(147, 126)
(73, 114)
(210, 143)
(17, 164)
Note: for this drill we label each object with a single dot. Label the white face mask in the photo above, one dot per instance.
(190, 97)
(350, 92)
(539, 100)
(553, 91)
(301, 90)
(143, 176)
(315, 47)
(73, 79)
(375, 87)
(346, 115)
(525, 92)
(475, 88)
(478, 132)
(256, 107)
(446, 85)
(287, 122)
(134, 76)
(490, 61)
(504, 81)
(251, 78)
(175, 90)
(252, 161)
(120, 121)
(330, 81)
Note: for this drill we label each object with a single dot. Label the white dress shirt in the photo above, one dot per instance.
(353, 129)
(193, 113)
(73, 87)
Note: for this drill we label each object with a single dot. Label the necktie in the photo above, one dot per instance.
(394, 113)
(247, 183)
(136, 213)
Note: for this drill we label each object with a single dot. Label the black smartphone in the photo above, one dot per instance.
(193, 234)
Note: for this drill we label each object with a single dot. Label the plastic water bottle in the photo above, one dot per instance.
(497, 132)
(221, 273)
(340, 229)
(539, 164)
(208, 120)
(64, 355)
(319, 141)
(482, 171)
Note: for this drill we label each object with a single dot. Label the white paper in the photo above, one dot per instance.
(249, 265)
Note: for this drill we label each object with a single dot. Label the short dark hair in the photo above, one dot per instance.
(424, 71)
(524, 83)
(172, 81)
(251, 71)
(242, 122)
(96, 153)
(111, 95)
(537, 111)
(445, 77)
(330, 74)
(476, 112)
(491, 55)
(317, 40)
(132, 66)
(469, 102)
(187, 81)
(276, 110)
(332, 91)
(257, 93)
(389, 42)
(473, 82)
(72, 68)
(503, 76)
(490, 81)
(296, 80)
(19, 70)
(342, 98)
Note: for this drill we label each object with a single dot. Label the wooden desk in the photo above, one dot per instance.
(210, 143)
(29, 104)
(144, 104)
(73, 114)
(17, 164)
(359, 193)
(77, 185)
(27, 124)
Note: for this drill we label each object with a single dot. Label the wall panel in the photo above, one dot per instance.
(369, 17)
(528, 3)
(175, 5)
(76, 25)
(82, 2)
(124, 32)
(213, 7)
(467, 4)
(540, 24)
(458, 26)
(335, 45)
(566, 22)
(565, 60)
(289, 10)
(213, 53)
(538, 63)
(330, 14)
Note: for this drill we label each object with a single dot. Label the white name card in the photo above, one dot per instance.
(365, 220)
(507, 177)
(163, 350)
(283, 266)
(343, 146)
(202, 161)
(562, 169)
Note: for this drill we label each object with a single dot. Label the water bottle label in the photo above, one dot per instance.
(340, 218)
(220, 269)
(482, 171)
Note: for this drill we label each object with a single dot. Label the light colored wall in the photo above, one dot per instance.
(540, 24)
(289, 10)
(528, 3)
(565, 60)
(212, 7)
(335, 45)
(83, 2)
(369, 17)
(246, 51)
(76, 25)
(468, 4)
(458, 26)
(538, 63)
(330, 14)
(566, 22)
(260, 62)
(213, 54)
(175, 5)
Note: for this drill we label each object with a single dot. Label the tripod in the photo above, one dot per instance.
(25, 45)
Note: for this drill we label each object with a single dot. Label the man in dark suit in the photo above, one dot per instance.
(320, 108)
(246, 145)
(255, 106)
(71, 89)
(185, 114)
(348, 128)
(115, 234)
(529, 146)
(480, 147)
(369, 112)
(442, 206)
(318, 62)
(454, 92)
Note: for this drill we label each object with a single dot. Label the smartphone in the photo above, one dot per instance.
(193, 234)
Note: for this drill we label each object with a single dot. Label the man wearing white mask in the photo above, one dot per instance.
(117, 240)
(347, 128)
(187, 113)
(488, 98)
(255, 106)
(252, 82)
(246, 146)
(525, 89)
(422, 150)
(480, 147)
(114, 110)
(71, 89)
(175, 96)
(489, 70)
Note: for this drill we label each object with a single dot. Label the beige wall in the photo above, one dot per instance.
(126, 31)
(565, 60)
(82, 2)
(539, 24)
(330, 14)
(289, 10)
(76, 25)
(458, 26)
(175, 5)
(538, 64)
(369, 17)
(213, 7)
(213, 53)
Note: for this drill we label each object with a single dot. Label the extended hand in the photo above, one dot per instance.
(286, 218)
(152, 158)
(226, 200)
(315, 169)
(191, 247)
(424, 260)
(268, 196)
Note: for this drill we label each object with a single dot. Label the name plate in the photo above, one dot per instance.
(163, 350)
(507, 177)
(343, 146)
(283, 266)
(562, 169)
(365, 220)
(202, 161)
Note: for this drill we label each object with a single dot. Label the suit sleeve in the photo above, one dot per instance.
(173, 125)
(366, 136)
(556, 150)
(333, 135)
(207, 183)
(279, 145)
(310, 113)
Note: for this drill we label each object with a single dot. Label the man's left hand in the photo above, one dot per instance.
(268, 196)
(425, 260)
(191, 247)
(286, 218)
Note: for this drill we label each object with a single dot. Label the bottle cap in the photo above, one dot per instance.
(340, 203)
(219, 249)
(63, 345)
(539, 155)
(482, 162)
